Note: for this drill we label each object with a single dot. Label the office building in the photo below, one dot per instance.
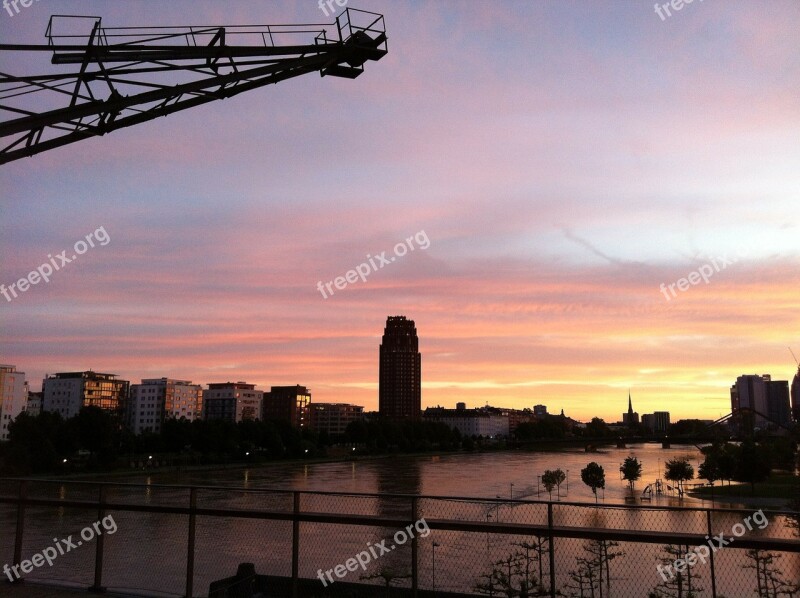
(232, 401)
(288, 403)
(333, 418)
(796, 396)
(34, 406)
(765, 400)
(471, 422)
(157, 399)
(400, 381)
(66, 393)
(779, 411)
(13, 396)
(656, 423)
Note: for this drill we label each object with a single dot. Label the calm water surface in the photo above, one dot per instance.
(148, 551)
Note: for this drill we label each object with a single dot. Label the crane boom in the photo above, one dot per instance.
(129, 75)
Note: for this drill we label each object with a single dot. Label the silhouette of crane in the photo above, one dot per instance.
(130, 75)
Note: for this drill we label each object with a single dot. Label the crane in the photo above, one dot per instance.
(115, 77)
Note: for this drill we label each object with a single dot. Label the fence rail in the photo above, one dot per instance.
(310, 528)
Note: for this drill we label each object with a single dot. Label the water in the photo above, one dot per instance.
(486, 475)
(149, 549)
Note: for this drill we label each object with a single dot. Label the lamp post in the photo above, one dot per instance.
(433, 565)
(512, 490)
(488, 516)
(568, 481)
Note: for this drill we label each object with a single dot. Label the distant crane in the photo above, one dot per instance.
(795, 358)
(129, 75)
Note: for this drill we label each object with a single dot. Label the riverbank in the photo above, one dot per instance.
(778, 491)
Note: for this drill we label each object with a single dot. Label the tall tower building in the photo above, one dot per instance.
(400, 380)
(796, 396)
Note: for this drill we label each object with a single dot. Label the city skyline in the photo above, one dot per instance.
(564, 160)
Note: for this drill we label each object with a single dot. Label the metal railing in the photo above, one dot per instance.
(311, 530)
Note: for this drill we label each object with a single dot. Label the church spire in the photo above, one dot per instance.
(630, 405)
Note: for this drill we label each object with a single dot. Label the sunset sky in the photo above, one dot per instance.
(564, 160)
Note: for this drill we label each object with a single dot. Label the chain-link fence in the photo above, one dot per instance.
(182, 541)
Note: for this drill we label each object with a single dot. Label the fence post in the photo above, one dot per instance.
(414, 549)
(295, 543)
(190, 549)
(711, 555)
(23, 496)
(98, 554)
(552, 550)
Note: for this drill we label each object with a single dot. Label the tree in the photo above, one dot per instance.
(593, 476)
(754, 464)
(631, 470)
(679, 470)
(597, 428)
(549, 481)
(560, 476)
(709, 469)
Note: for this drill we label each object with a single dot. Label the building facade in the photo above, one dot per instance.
(66, 393)
(157, 399)
(288, 403)
(34, 406)
(13, 396)
(656, 423)
(768, 400)
(470, 422)
(333, 418)
(232, 401)
(796, 396)
(400, 371)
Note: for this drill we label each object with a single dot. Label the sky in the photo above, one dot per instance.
(553, 164)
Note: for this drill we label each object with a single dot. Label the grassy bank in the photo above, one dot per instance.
(783, 486)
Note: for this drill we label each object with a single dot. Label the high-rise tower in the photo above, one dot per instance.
(796, 396)
(400, 383)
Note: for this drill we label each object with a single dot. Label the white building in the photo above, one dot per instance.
(470, 422)
(13, 396)
(232, 401)
(66, 393)
(158, 399)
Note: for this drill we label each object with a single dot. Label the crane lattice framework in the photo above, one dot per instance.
(129, 75)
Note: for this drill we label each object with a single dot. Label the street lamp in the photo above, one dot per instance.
(512, 490)
(488, 516)
(433, 564)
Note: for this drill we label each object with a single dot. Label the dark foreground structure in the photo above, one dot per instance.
(160, 540)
